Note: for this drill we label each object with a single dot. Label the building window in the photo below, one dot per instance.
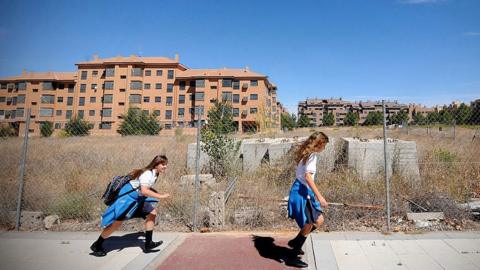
(168, 114)
(158, 99)
(169, 88)
(19, 112)
(200, 83)
(91, 112)
(93, 99)
(69, 101)
(137, 72)
(47, 85)
(58, 113)
(199, 110)
(226, 83)
(146, 86)
(68, 114)
(236, 84)
(181, 112)
(159, 72)
(199, 96)
(158, 86)
(108, 99)
(47, 99)
(106, 112)
(71, 88)
(83, 88)
(181, 99)
(146, 99)
(21, 99)
(169, 101)
(2, 99)
(58, 125)
(106, 125)
(253, 96)
(170, 74)
(59, 99)
(47, 112)
(253, 110)
(156, 112)
(80, 114)
(108, 85)
(109, 72)
(236, 98)
(136, 85)
(95, 73)
(182, 85)
(226, 96)
(84, 75)
(22, 86)
(81, 101)
(254, 83)
(213, 87)
(148, 73)
(61, 86)
(135, 98)
(236, 112)
(94, 86)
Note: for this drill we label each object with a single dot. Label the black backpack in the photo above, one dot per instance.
(114, 187)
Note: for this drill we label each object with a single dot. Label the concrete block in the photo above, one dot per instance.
(206, 181)
(191, 157)
(28, 219)
(253, 154)
(424, 216)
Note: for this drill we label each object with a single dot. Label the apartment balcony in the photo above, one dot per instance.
(244, 112)
(244, 86)
(245, 99)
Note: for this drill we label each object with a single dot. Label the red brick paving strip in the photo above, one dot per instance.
(220, 252)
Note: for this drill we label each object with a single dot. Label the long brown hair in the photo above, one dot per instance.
(159, 159)
(310, 145)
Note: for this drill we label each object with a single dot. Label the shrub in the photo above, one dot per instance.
(78, 127)
(46, 129)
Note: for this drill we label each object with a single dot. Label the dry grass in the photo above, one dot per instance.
(67, 176)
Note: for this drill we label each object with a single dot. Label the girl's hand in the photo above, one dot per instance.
(164, 196)
(323, 202)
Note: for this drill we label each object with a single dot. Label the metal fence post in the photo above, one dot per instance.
(387, 182)
(22, 171)
(197, 172)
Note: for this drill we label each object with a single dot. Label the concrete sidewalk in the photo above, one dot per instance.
(241, 250)
(71, 250)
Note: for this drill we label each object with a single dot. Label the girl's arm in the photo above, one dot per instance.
(311, 184)
(146, 191)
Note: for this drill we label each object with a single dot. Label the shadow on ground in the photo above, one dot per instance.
(267, 248)
(118, 243)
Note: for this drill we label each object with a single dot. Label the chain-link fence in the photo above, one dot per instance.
(430, 167)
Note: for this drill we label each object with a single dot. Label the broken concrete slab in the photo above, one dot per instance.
(425, 216)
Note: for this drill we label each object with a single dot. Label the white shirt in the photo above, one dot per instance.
(147, 179)
(310, 166)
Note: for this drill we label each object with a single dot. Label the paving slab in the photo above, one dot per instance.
(71, 250)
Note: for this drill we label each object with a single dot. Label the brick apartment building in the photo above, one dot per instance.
(101, 90)
(314, 109)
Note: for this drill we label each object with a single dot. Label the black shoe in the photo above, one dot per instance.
(97, 251)
(151, 245)
(296, 262)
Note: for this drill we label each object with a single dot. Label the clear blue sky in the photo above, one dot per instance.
(426, 51)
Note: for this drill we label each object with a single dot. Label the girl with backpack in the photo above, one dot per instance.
(305, 203)
(134, 200)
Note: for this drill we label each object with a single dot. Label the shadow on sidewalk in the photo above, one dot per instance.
(267, 248)
(125, 241)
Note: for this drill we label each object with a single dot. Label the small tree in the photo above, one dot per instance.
(303, 121)
(463, 114)
(418, 118)
(351, 119)
(328, 119)
(137, 122)
(374, 118)
(46, 129)
(287, 121)
(77, 127)
(217, 143)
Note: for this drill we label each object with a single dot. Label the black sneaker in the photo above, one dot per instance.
(151, 245)
(97, 251)
(296, 262)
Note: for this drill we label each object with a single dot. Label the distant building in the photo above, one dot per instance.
(101, 90)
